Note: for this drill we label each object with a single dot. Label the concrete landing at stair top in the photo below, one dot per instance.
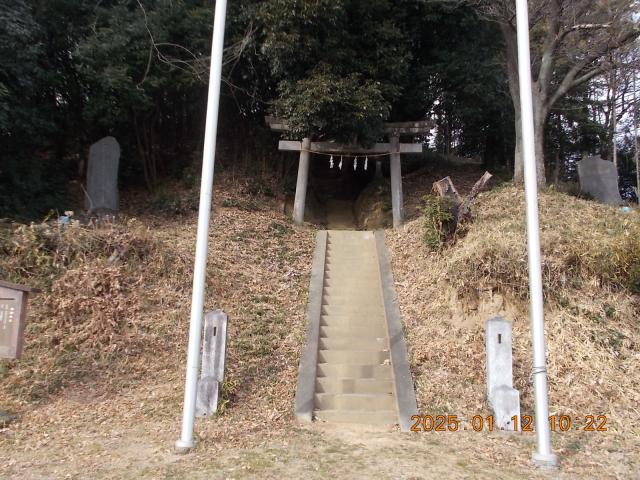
(347, 373)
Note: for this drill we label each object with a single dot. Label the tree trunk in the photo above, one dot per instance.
(614, 126)
(518, 166)
(557, 168)
(539, 112)
(635, 137)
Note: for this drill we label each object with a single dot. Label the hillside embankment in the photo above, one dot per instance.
(591, 276)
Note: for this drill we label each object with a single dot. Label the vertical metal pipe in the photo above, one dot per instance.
(635, 135)
(301, 183)
(543, 456)
(614, 120)
(200, 266)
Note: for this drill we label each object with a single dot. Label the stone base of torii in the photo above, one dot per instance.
(393, 148)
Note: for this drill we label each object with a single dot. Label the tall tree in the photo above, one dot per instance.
(571, 42)
(38, 101)
(339, 65)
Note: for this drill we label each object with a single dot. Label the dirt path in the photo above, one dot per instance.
(109, 448)
(340, 215)
(131, 435)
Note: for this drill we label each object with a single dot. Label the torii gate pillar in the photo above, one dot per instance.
(397, 203)
(301, 184)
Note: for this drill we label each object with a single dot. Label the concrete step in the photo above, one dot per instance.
(337, 330)
(352, 274)
(354, 401)
(360, 296)
(370, 308)
(363, 317)
(361, 292)
(354, 343)
(351, 257)
(352, 310)
(344, 370)
(353, 357)
(353, 244)
(352, 254)
(339, 281)
(346, 235)
(380, 417)
(355, 252)
(354, 385)
(376, 321)
(351, 267)
(371, 304)
(356, 248)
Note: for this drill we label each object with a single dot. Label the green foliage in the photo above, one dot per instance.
(32, 176)
(144, 70)
(460, 73)
(436, 212)
(340, 66)
(342, 108)
(173, 203)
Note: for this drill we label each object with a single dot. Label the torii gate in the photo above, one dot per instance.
(394, 148)
(544, 455)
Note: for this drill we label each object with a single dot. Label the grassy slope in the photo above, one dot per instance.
(108, 326)
(590, 260)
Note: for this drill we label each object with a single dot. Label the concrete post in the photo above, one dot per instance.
(503, 399)
(301, 184)
(396, 183)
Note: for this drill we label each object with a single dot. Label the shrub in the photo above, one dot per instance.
(436, 214)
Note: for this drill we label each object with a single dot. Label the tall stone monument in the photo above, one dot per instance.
(102, 176)
(599, 178)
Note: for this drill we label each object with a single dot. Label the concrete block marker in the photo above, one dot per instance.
(503, 399)
(212, 363)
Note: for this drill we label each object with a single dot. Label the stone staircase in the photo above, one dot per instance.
(354, 376)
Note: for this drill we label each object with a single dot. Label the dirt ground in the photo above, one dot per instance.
(131, 435)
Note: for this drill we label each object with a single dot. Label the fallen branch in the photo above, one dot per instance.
(464, 209)
(460, 208)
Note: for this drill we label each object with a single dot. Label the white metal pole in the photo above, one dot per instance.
(635, 135)
(200, 266)
(543, 456)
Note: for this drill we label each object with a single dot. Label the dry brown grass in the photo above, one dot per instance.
(107, 323)
(590, 254)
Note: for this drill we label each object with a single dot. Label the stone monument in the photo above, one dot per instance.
(102, 176)
(599, 178)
